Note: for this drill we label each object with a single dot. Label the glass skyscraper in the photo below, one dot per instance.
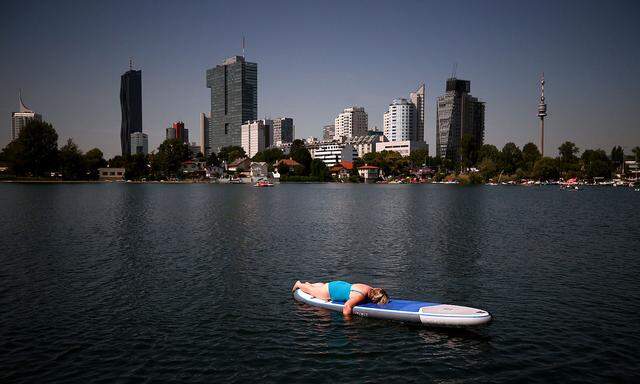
(234, 100)
(131, 106)
(458, 113)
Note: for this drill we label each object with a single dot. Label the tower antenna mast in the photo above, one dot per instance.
(542, 113)
(455, 70)
(242, 45)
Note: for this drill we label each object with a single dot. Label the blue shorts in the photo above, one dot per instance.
(339, 290)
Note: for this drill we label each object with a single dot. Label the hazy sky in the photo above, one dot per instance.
(316, 58)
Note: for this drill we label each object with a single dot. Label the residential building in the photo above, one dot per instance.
(290, 163)
(334, 153)
(259, 170)
(240, 165)
(139, 143)
(205, 120)
(457, 114)
(112, 174)
(400, 121)
(329, 132)
(283, 131)
(417, 99)
(402, 147)
(366, 144)
(21, 118)
(195, 148)
(351, 122)
(131, 107)
(178, 131)
(369, 173)
(255, 136)
(234, 100)
(342, 170)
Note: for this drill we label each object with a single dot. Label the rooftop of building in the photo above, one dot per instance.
(288, 162)
(233, 60)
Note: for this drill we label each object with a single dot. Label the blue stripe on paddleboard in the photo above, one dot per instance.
(395, 305)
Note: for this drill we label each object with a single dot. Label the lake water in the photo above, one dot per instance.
(191, 283)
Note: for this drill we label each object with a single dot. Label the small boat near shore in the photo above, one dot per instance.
(263, 184)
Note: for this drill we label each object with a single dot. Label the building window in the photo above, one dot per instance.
(226, 128)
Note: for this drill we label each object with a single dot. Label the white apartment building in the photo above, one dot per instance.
(400, 120)
(365, 144)
(333, 153)
(255, 136)
(402, 147)
(351, 122)
(139, 143)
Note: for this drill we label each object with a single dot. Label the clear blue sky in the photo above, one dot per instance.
(316, 58)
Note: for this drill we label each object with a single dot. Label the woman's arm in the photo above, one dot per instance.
(352, 302)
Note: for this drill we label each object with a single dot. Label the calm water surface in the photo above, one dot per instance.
(190, 283)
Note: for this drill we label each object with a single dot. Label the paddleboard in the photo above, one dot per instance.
(432, 314)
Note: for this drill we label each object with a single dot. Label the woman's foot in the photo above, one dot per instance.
(295, 286)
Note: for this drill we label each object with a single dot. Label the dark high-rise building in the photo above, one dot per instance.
(234, 100)
(458, 113)
(131, 106)
(282, 130)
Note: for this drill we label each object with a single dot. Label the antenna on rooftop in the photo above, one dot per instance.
(130, 63)
(242, 45)
(455, 69)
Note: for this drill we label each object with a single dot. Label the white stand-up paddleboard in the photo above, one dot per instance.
(435, 314)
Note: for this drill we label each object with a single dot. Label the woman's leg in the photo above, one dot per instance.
(318, 290)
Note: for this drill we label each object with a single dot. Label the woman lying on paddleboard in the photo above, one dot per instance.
(351, 294)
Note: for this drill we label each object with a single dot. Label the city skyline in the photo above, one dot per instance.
(582, 48)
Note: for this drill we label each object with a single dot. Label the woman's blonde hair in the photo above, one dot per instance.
(378, 296)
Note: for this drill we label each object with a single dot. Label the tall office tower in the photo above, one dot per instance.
(351, 122)
(131, 106)
(400, 121)
(205, 120)
(178, 131)
(417, 99)
(21, 118)
(542, 113)
(328, 132)
(282, 131)
(139, 143)
(234, 100)
(255, 136)
(457, 114)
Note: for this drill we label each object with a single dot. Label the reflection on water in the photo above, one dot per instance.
(183, 283)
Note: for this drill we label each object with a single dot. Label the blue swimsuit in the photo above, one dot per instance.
(340, 290)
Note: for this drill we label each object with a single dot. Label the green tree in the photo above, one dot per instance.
(636, 152)
(35, 151)
(546, 169)
(419, 157)
(468, 151)
(530, 155)
(568, 152)
(171, 154)
(319, 170)
(489, 151)
(511, 157)
(212, 160)
(137, 167)
(71, 162)
(595, 163)
(93, 160)
(116, 162)
(231, 153)
(488, 168)
(617, 157)
(269, 155)
(301, 154)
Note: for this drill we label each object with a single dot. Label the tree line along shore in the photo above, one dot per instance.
(35, 156)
